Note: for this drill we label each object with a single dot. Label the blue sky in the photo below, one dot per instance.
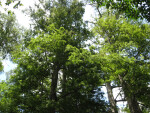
(8, 65)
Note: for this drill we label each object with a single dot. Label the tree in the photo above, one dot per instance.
(46, 75)
(124, 56)
(9, 35)
(62, 17)
(131, 9)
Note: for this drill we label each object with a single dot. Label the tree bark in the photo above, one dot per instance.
(64, 82)
(53, 95)
(111, 98)
(131, 100)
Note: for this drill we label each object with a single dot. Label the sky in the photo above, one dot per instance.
(8, 66)
(24, 20)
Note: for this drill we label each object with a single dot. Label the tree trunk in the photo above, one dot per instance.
(53, 96)
(133, 104)
(111, 98)
(64, 82)
(131, 100)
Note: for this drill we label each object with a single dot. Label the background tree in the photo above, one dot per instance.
(9, 35)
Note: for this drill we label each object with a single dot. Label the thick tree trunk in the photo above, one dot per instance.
(53, 96)
(111, 98)
(131, 100)
(133, 104)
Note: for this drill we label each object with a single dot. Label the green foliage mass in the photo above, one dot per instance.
(35, 66)
(132, 8)
(125, 52)
(55, 73)
(47, 59)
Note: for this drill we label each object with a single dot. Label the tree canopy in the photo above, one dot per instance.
(132, 8)
(57, 71)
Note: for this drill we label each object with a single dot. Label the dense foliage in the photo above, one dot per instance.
(57, 71)
(132, 8)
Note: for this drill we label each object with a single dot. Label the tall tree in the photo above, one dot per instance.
(63, 13)
(45, 75)
(124, 56)
(132, 9)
